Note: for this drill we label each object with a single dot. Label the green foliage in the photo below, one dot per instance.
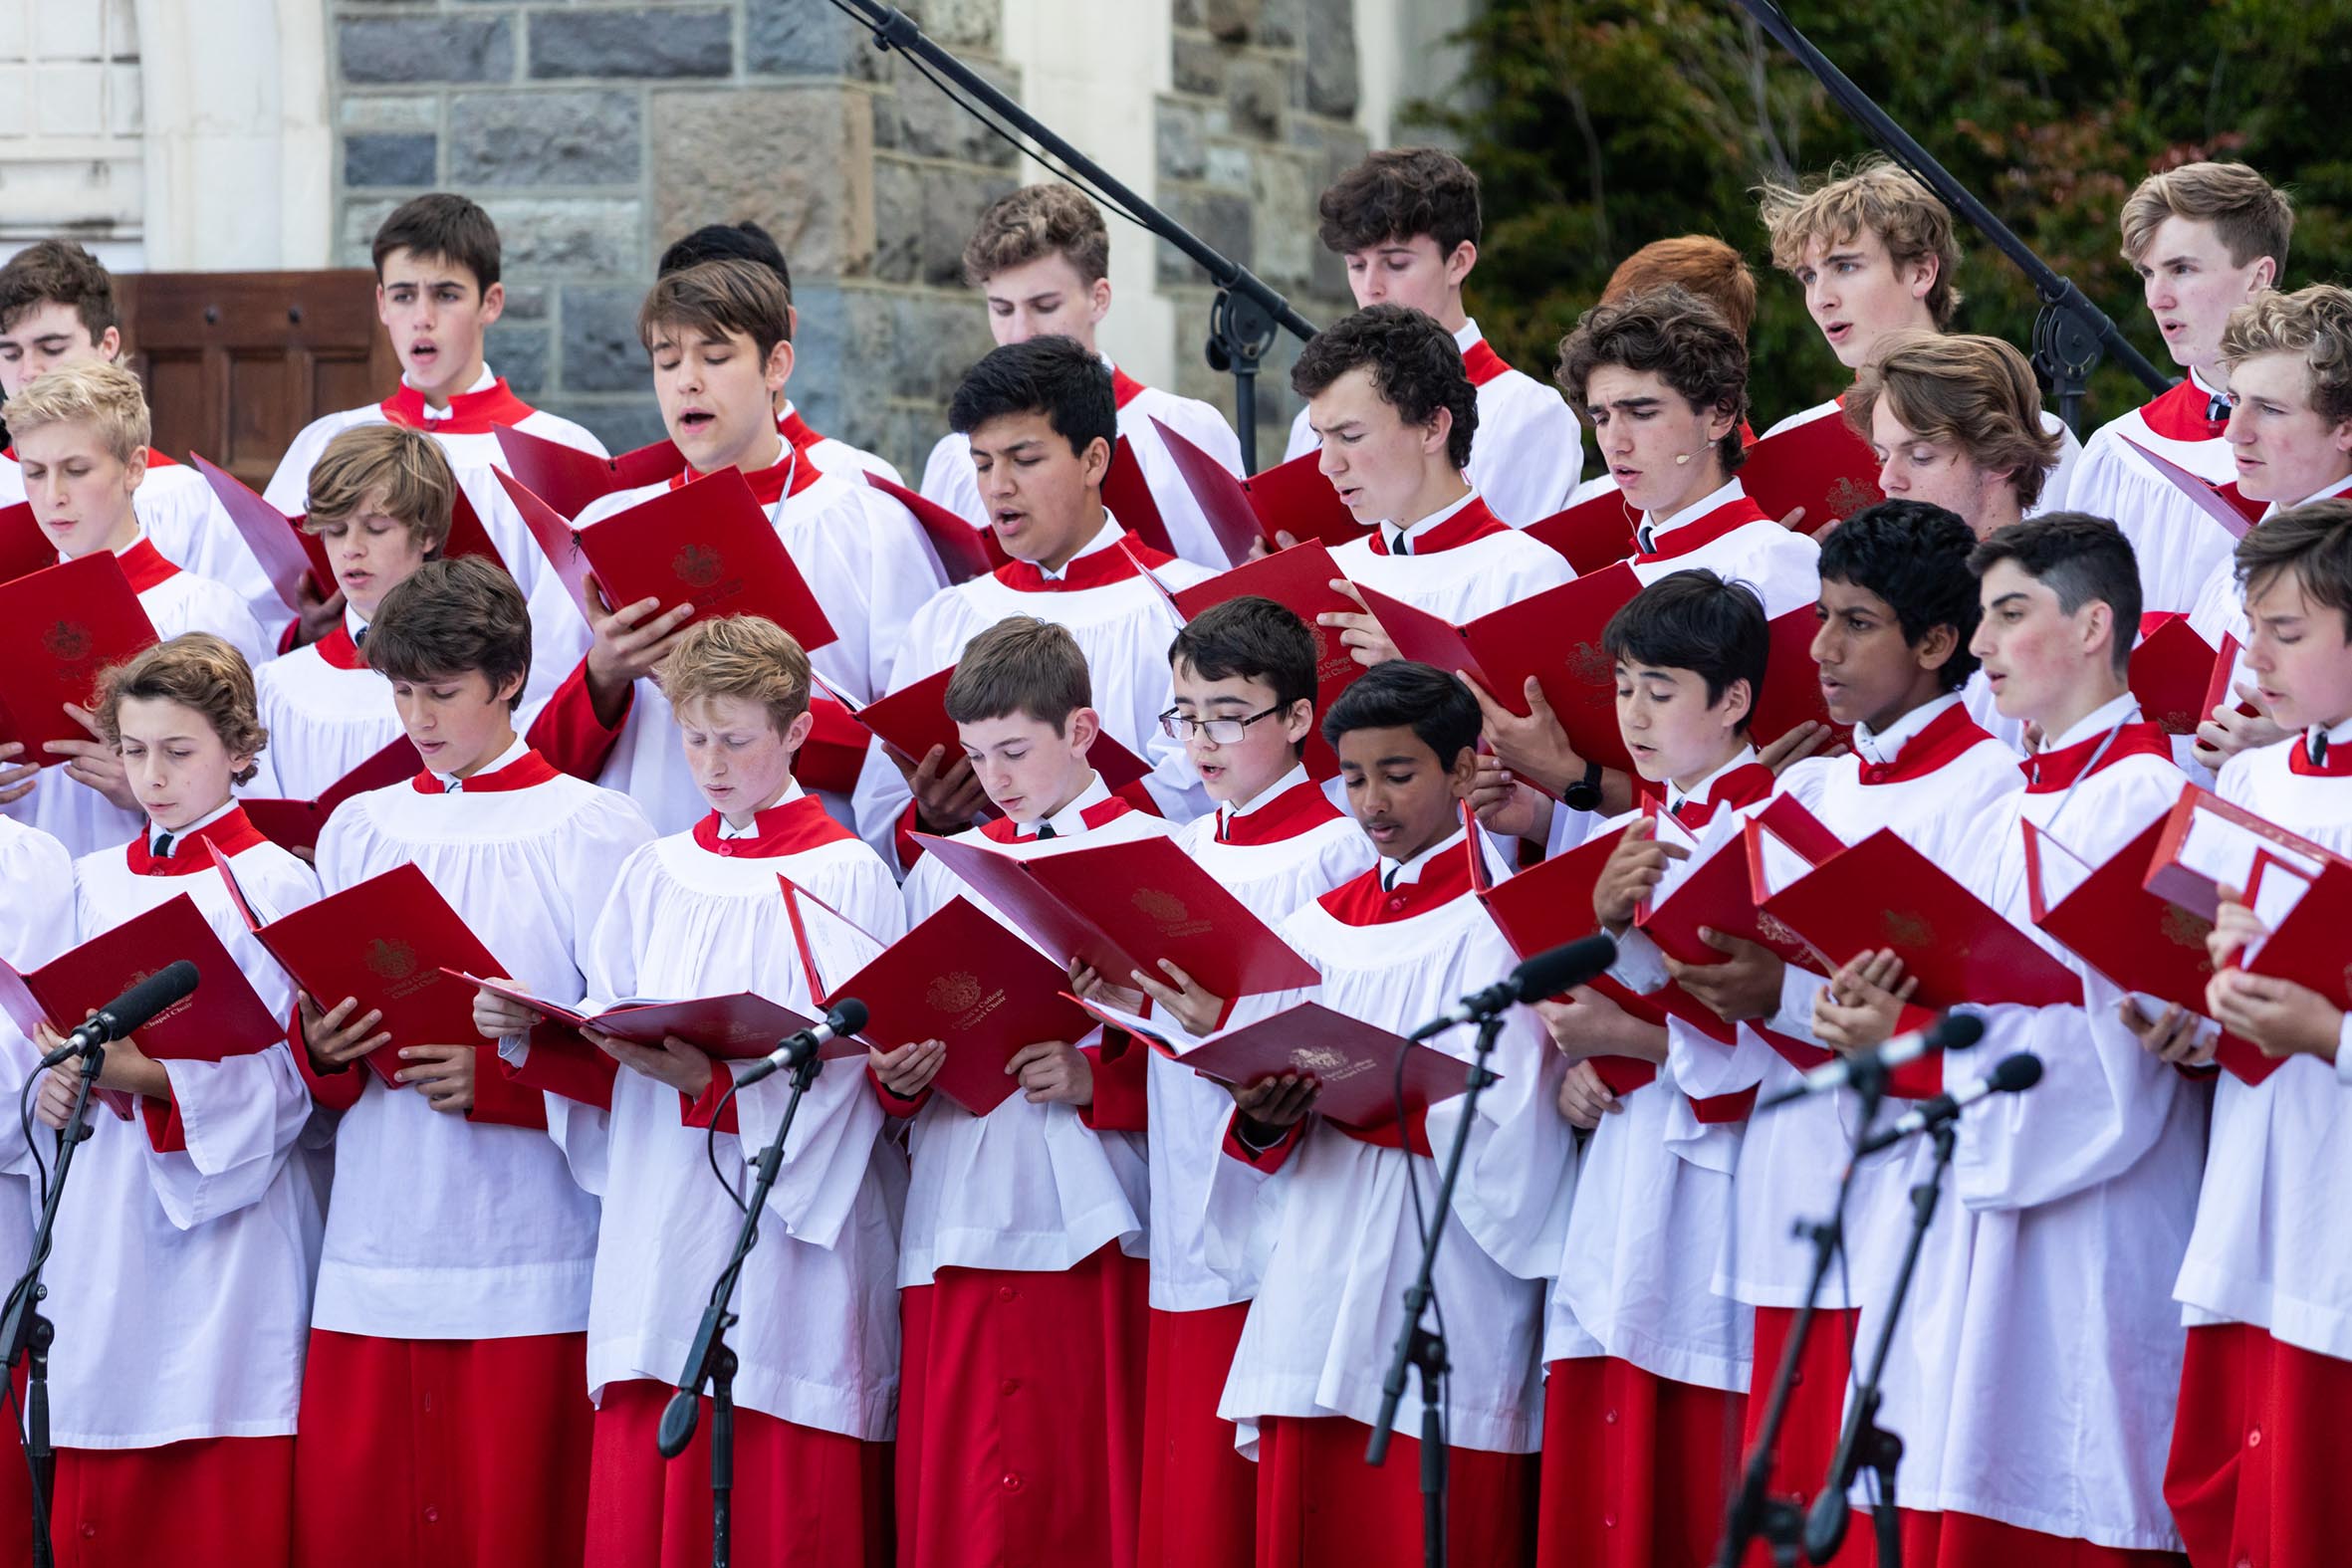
(1599, 126)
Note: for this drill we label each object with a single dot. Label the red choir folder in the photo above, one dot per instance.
(1555, 636)
(2172, 670)
(737, 1027)
(835, 752)
(1293, 498)
(1715, 888)
(913, 718)
(2306, 947)
(569, 479)
(1124, 906)
(962, 551)
(60, 628)
(296, 824)
(223, 1018)
(1793, 683)
(2108, 919)
(1820, 465)
(1223, 499)
(2236, 513)
(961, 977)
(287, 554)
(1129, 498)
(24, 549)
(556, 538)
(1883, 893)
(392, 942)
(1594, 533)
(2221, 689)
(2208, 843)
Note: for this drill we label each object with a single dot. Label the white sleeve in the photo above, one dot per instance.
(1532, 456)
(1519, 1167)
(241, 1117)
(2344, 1049)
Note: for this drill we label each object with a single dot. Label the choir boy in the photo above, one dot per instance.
(1406, 222)
(1245, 705)
(2254, 1475)
(180, 1281)
(1041, 259)
(1646, 1363)
(1039, 418)
(1898, 611)
(718, 336)
(1024, 1289)
(2288, 358)
(443, 1412)
(2204, 238)
(81, 436)
(437, 292)
(381, 501)
(748, 241)
(700, 914)
(1396, 946)
(1873, 250)
(2036, 1360)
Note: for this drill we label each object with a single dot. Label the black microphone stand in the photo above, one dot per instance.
(710, 1359)
(26, 1332)
(1754, 1510)
(2071, 332)
(1424, 1349)
(1864, 1442)
(1247, 310)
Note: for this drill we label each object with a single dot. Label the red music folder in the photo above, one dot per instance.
(224, 1017)
(1555, 636)
(556, 538)
(2221, 689)
(1594, 533)
(389, 941)
(961, 977)
(962, 551)
(1883, 893)
(913, 718)
(24, 547)
(297, 825)
(709, 543)
(1124, 906)
(2305, 946)
(2209, 843)
(1294, 498)
(2236, 513)
(1129, 498)
(1820, 465)
(2172, 671)
(60, 628)
(2107, 917)
(1223, 499)
(739, 1027)
(567, 479)
(1791, 692)
(287, 555)
(1714, 888)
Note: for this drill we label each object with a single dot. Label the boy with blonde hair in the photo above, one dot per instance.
(1955, 420)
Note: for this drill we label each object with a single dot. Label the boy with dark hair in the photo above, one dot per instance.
(437, 292)
(1040, 258)
(2204, 238)
(445, 1325)
(1406, 222)
(1395, 945)
(1039, 418)
(1021, 1261)
(2267, 1372)
(2070, 1204)
(717, 339)
(747, 241)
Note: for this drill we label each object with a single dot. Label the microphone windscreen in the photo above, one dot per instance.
(163, 988)
(2011, 1073)
(848, 1015)
(1959, 1032)
(1560, 969)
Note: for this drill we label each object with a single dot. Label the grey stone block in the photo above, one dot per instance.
(526, 301)
(1332, 85)
(900, 220)
(1227, 166)
(381, 158)
(426, 49)
(953, 200)
(655, 43)
(1284, 190)
(518, 351)
(935, 340)
(798, 159)
(362, 217)
(1177, 136)
(1235, 21)
(959, 24)
(1220, 218)
(543, 139)
(921, 120)
(797, 38)
(600, 349)
(571, 234)
(389, 111)
(1257, 91)
(1200, 67)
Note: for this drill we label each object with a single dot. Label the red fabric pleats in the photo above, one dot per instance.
(1816, 1404)
(1965, 1540)
(803, 1498)
(1200, 1497)
(215, 1502)
(1636, 1468)
(1020, 1416)
(1321, 1506)
(442, 1452)
(2261, 1448)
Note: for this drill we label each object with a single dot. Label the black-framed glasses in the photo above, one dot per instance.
(1225, 732)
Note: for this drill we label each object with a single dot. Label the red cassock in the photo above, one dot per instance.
(1321, 1506)
(1942, 1541)
(442, 1452)
(1199, 1495)
(1636, 1466)
(214, 1502)
(1020, 1416)
(1814, 1415)
(2261, 1443)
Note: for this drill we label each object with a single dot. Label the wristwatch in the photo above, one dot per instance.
(1585, 793)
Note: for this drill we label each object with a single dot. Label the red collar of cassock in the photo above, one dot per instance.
(1482, 364)
(788, 476)
(230, 834)
(2050, 772)
(1947, 737)
(1300, 809)
(524, 773)
(2338, 764)
(1004, 831)
(470, 413)
(1472, 522)
(1124, 389)
(340, 651)
(1363, 901)
(795, 431)
(1097, 569)
(1744, 784)
(785, 829)
(143, 564)
(1684, 538)
(2179, 413)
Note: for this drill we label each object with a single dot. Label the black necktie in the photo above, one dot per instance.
(2217, 411)
(1388, 878)
(162, 849)
(1045, 830)
(1403, 546)
(2315, 744)
(359, 638)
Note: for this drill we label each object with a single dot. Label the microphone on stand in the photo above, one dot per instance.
(847, 1017)
(167, 988)
(1547, 973)
(1951, 1032)
(2012, 1074)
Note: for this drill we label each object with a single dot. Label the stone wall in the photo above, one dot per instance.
(595, 133)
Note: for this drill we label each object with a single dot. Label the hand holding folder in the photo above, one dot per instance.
(567, 479)
(913, 718)
(1715, 887)
(737, 1026)
(2107, 917)
(2307, 916)
(60, 628)
(2207, 844)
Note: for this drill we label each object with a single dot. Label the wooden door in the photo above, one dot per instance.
(237, 362)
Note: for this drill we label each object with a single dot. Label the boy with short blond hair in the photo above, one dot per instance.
(1040, 258)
